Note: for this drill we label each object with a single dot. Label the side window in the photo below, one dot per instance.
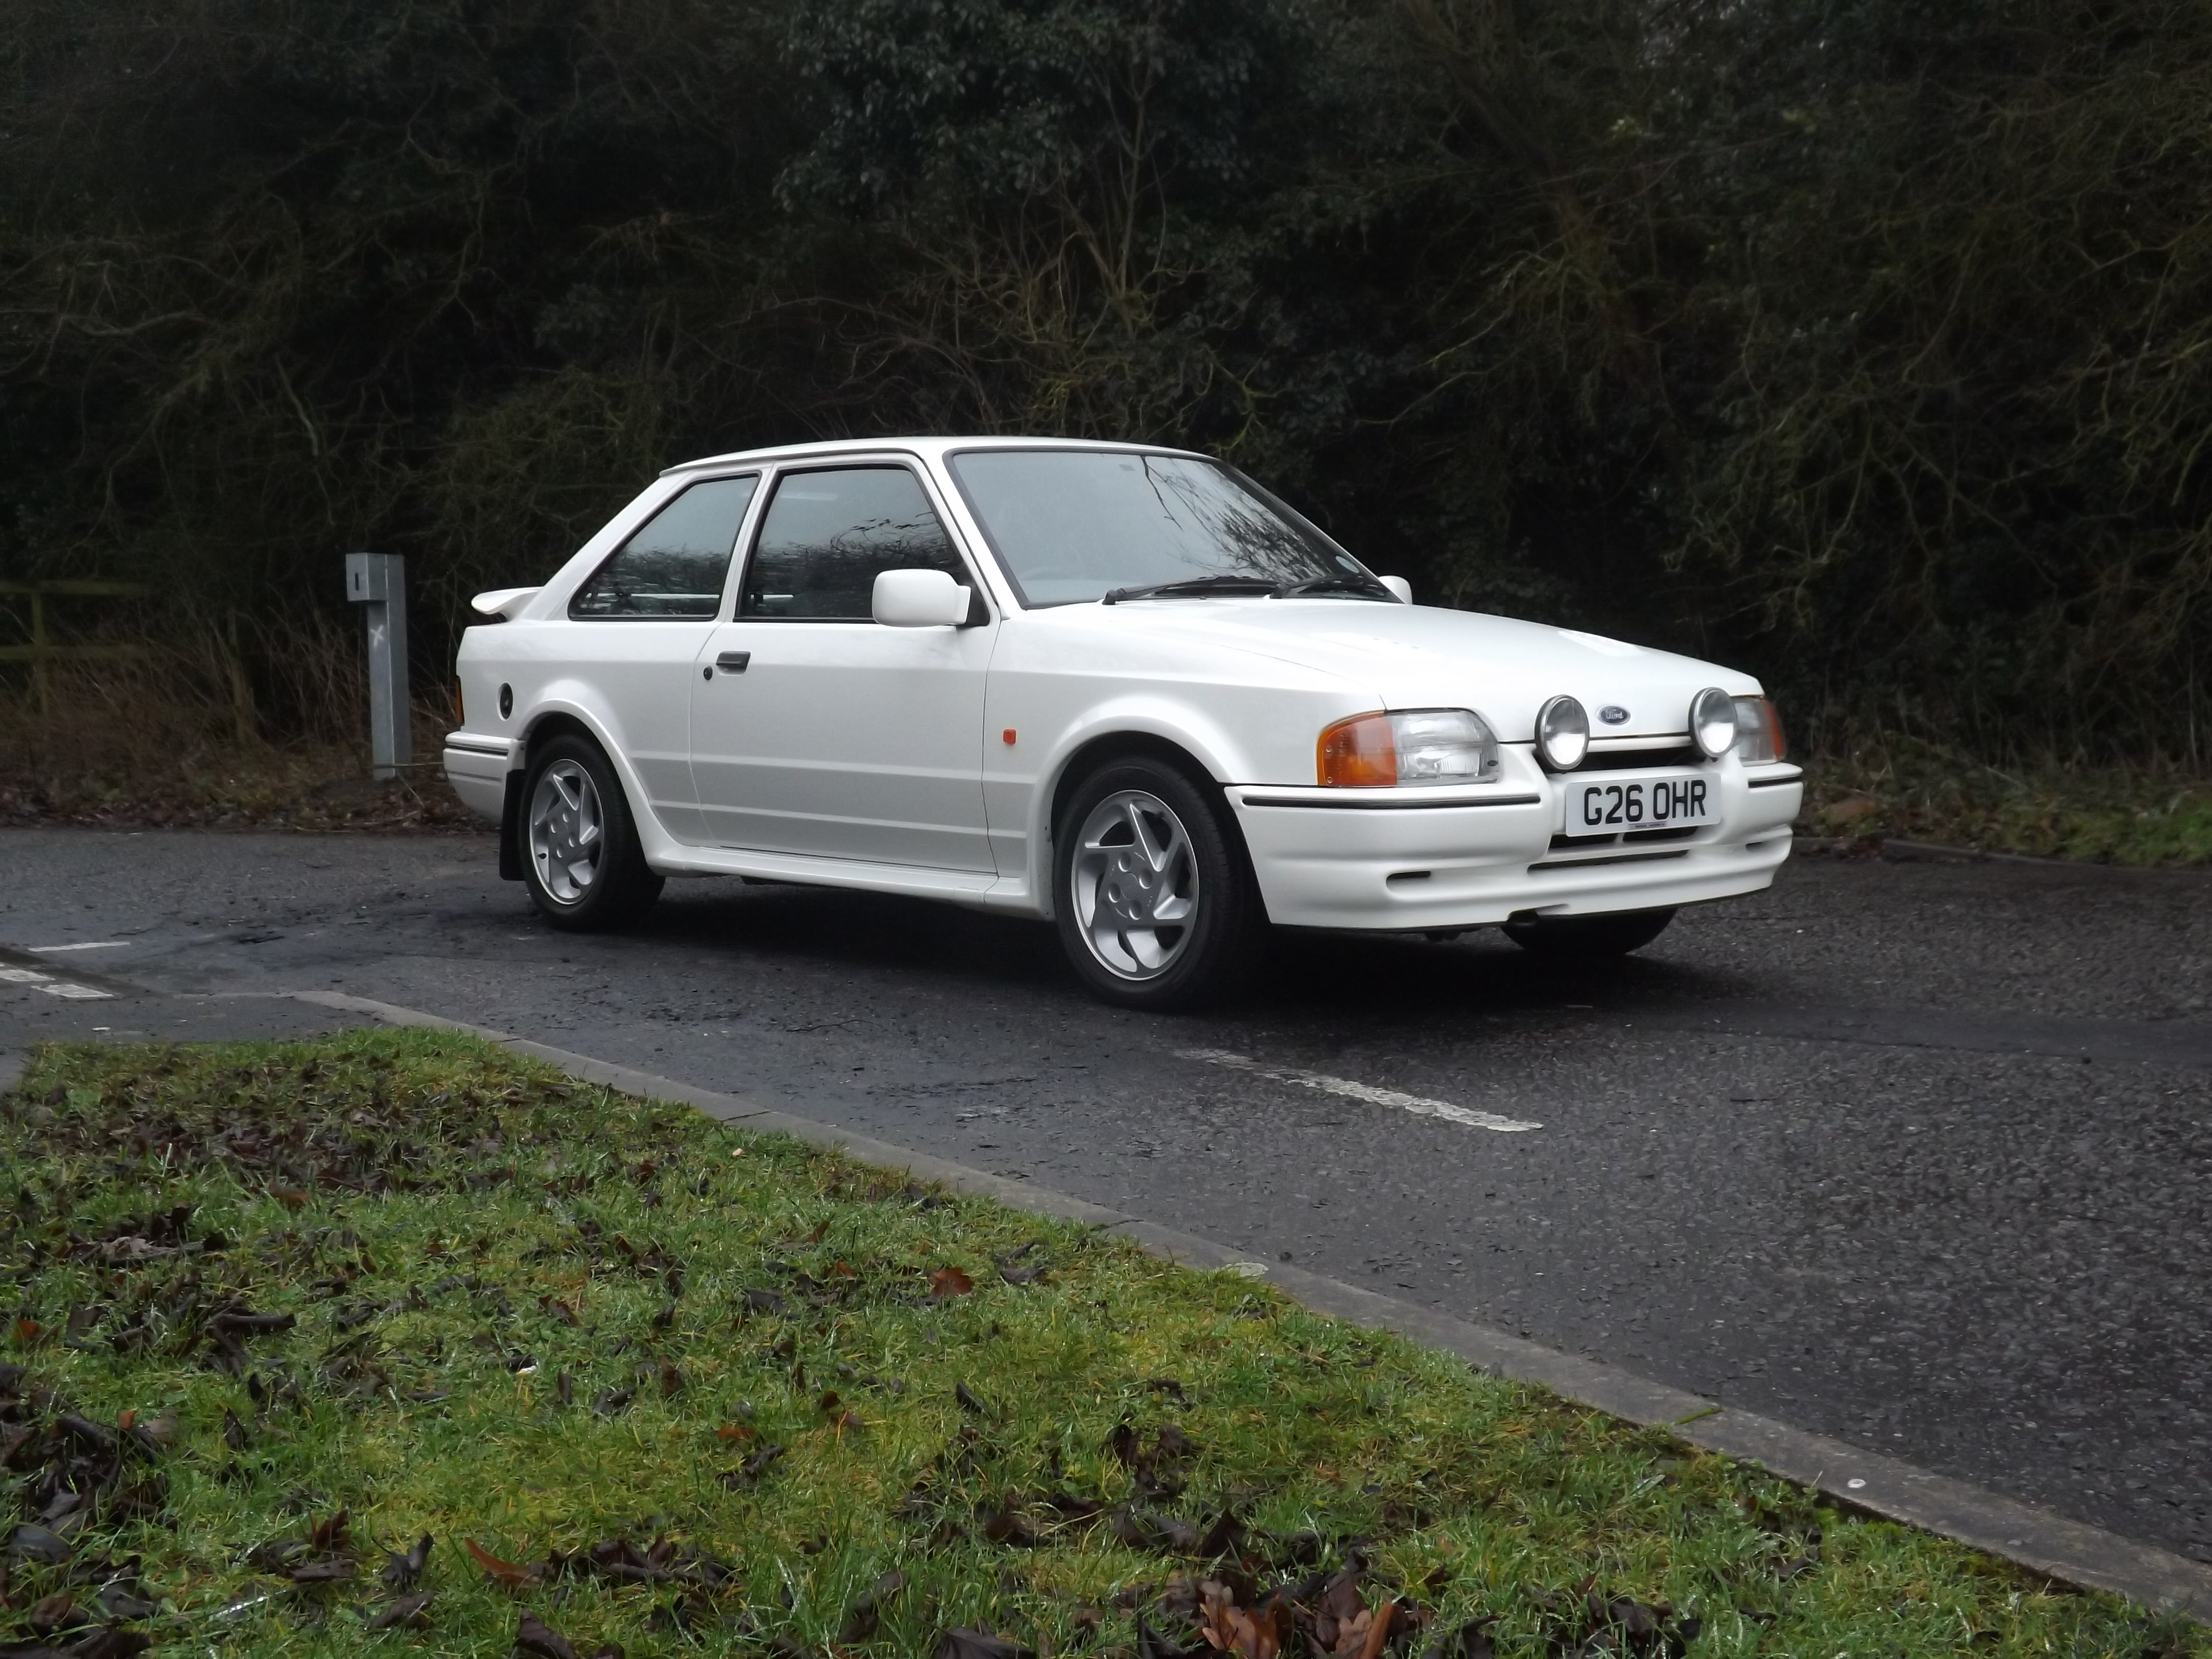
(826, 536)
(674, 565)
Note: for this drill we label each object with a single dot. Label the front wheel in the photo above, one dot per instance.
(1153, 901)
(580, 858)
(1588, 939)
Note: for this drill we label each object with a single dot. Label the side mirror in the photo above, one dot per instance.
(918, 598)
(1401, 587)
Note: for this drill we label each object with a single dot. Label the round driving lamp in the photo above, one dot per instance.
(1712, 721)
(1563, 733)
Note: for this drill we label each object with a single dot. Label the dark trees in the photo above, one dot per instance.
(1864, 341)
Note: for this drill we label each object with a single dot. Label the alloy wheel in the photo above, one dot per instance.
(1134, 885)
(566, 831)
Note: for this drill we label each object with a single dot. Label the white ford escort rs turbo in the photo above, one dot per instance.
(1122, 687)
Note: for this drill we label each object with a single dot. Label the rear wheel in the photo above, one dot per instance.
(581, 857)
(1155, 905)
(1588, 939)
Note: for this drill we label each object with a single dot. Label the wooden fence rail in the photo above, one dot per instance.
(43, 651)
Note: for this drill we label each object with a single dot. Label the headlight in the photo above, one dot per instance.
(1562, 734)
(1759, 732)
(1420, 745)
(1712, 721)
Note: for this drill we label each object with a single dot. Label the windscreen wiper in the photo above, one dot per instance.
(1197, 586)
(1361, 584)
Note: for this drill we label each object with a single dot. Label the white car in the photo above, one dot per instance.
(1120, 687)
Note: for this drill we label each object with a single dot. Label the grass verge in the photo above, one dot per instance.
(651, 1385)
(1894, 787)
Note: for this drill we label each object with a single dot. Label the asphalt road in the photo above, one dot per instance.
(1918, 1155)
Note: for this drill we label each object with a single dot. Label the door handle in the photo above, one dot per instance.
(733, 662)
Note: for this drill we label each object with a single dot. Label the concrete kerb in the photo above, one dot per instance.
(2034, 1538)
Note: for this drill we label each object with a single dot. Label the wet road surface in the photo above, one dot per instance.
(1918, 1155)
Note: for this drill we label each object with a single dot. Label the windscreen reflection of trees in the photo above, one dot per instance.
(1072, 525)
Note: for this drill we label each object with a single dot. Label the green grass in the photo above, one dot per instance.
(1894, 787)
(436, 1213)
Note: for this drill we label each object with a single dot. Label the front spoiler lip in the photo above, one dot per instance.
(1339, 801)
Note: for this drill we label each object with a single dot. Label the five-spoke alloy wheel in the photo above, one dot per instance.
(1154, 900)
(566, 841)
(580, 858)
(1136, 887)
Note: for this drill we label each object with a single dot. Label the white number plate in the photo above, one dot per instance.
(1617, 802)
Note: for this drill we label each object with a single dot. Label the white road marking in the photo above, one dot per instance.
(101, 945)
(51, 986)
(1417, 1104)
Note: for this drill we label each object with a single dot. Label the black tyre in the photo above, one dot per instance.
(1151, 893)
(1588, 939)
(577, 842)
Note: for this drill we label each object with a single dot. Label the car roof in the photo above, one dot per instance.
(926, 448)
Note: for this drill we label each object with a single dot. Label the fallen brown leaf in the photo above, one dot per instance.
(400, 1572)
(407, 1610)
(1378, 1629)
(1250, 1633)
(56, 1612)
(948, 1282)
(533, 1637)
(979, 1644)
(505, 1573)
(329, 1532)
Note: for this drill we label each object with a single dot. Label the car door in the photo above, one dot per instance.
(814, 728)
(636, 625)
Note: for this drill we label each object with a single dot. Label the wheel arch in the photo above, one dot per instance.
(1102, 749)
(543, 727)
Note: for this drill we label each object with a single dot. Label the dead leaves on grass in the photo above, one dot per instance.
(979, 1644)
(748, 1474)
(409, 1612)
(401, 1572)
(535, 1638)
(1161, 1468)
(945, 1283)
(504, 1573)
(865, 1614)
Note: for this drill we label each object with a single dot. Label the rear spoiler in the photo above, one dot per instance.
(504, 602)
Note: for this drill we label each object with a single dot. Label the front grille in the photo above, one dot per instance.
(1627, 760)
(1627, 837)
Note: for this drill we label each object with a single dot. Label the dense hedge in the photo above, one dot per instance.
(1866, 341)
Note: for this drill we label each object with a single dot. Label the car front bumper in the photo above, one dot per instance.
(1415, 861)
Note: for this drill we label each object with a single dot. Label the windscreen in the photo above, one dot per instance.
(1072, 525)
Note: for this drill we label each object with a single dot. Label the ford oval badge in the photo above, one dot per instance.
(1613, 714)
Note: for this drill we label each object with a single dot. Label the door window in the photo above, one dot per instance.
(675, 565)
(828, 533)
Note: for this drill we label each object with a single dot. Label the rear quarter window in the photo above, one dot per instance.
(675, 564)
